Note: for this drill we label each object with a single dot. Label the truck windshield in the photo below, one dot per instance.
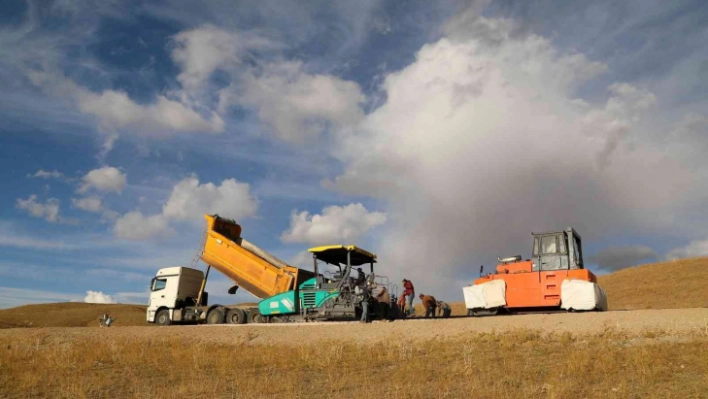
(159, 284)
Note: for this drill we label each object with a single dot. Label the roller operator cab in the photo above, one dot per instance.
(554, 278)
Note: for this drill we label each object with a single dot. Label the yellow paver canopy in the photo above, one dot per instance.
(337, 254)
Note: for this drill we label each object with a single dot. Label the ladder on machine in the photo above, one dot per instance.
(198, 256)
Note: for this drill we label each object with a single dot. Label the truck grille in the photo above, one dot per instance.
(308, 299)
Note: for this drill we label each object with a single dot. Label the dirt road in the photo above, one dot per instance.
(673, 321)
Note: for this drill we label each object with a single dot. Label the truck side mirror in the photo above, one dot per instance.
(205, 299)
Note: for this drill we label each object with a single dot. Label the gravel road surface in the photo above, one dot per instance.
(669, 321)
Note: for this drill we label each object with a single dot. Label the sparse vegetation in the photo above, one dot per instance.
(669, 285)
(522, 363)
(71, 314)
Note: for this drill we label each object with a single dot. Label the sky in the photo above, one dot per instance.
(438, 135)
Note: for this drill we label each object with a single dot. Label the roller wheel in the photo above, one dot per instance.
(162, 318)
(235, 316)
(215, 316)
(485, 312)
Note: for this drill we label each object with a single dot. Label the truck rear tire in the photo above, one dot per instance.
(215, 316)
(235, 316)
(162, 318)
(254, 316)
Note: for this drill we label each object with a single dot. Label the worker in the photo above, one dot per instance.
(361, 280)
(401, 303)
(409, 293)
(365, 304)
(429, 304)
(105, 321)
(444, 309)
(384, 305)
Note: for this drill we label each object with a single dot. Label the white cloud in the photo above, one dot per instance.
(203, 50)
(98, 297)
(43, 174)
(94, 204)
(482, 139)
(694, 249)
(136, 226)
(336, 224)
(294, 104)
(189, 201)
(88, 204)
(107, 178)
(48, 210)
(116, 111)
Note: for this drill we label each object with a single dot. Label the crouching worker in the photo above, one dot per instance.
(444, 309)
(429, 304)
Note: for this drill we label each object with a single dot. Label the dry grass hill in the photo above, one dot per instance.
(71, 314)
(668, 285)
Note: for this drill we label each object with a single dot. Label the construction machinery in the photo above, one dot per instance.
(288, 293)
(553, 279)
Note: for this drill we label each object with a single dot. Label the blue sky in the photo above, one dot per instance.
(437, 134)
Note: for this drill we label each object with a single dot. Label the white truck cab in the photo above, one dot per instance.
(174, 291)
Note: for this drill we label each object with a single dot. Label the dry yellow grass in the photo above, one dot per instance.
(71, 314)
(522, 363)
(668, 285)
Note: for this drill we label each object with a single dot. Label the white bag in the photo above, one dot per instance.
(582, 295)
(487, 295)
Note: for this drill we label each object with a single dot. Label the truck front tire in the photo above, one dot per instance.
(215, 316)
(162, 318)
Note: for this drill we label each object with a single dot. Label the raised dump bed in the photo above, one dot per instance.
(250, 267)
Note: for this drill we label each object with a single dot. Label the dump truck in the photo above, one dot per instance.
(288, 293)
(554, 278)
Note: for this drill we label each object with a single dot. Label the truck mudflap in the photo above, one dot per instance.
(284, 303)
(487, 295)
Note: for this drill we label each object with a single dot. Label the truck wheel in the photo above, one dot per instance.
(254, 316)
(162, 318)
(215, 316)
(235, 316)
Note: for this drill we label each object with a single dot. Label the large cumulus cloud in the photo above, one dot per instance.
(485, 137)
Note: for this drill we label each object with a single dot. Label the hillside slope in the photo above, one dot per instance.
(668, 285)
(71, 314)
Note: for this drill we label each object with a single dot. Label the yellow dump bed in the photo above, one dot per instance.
(252, 268)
